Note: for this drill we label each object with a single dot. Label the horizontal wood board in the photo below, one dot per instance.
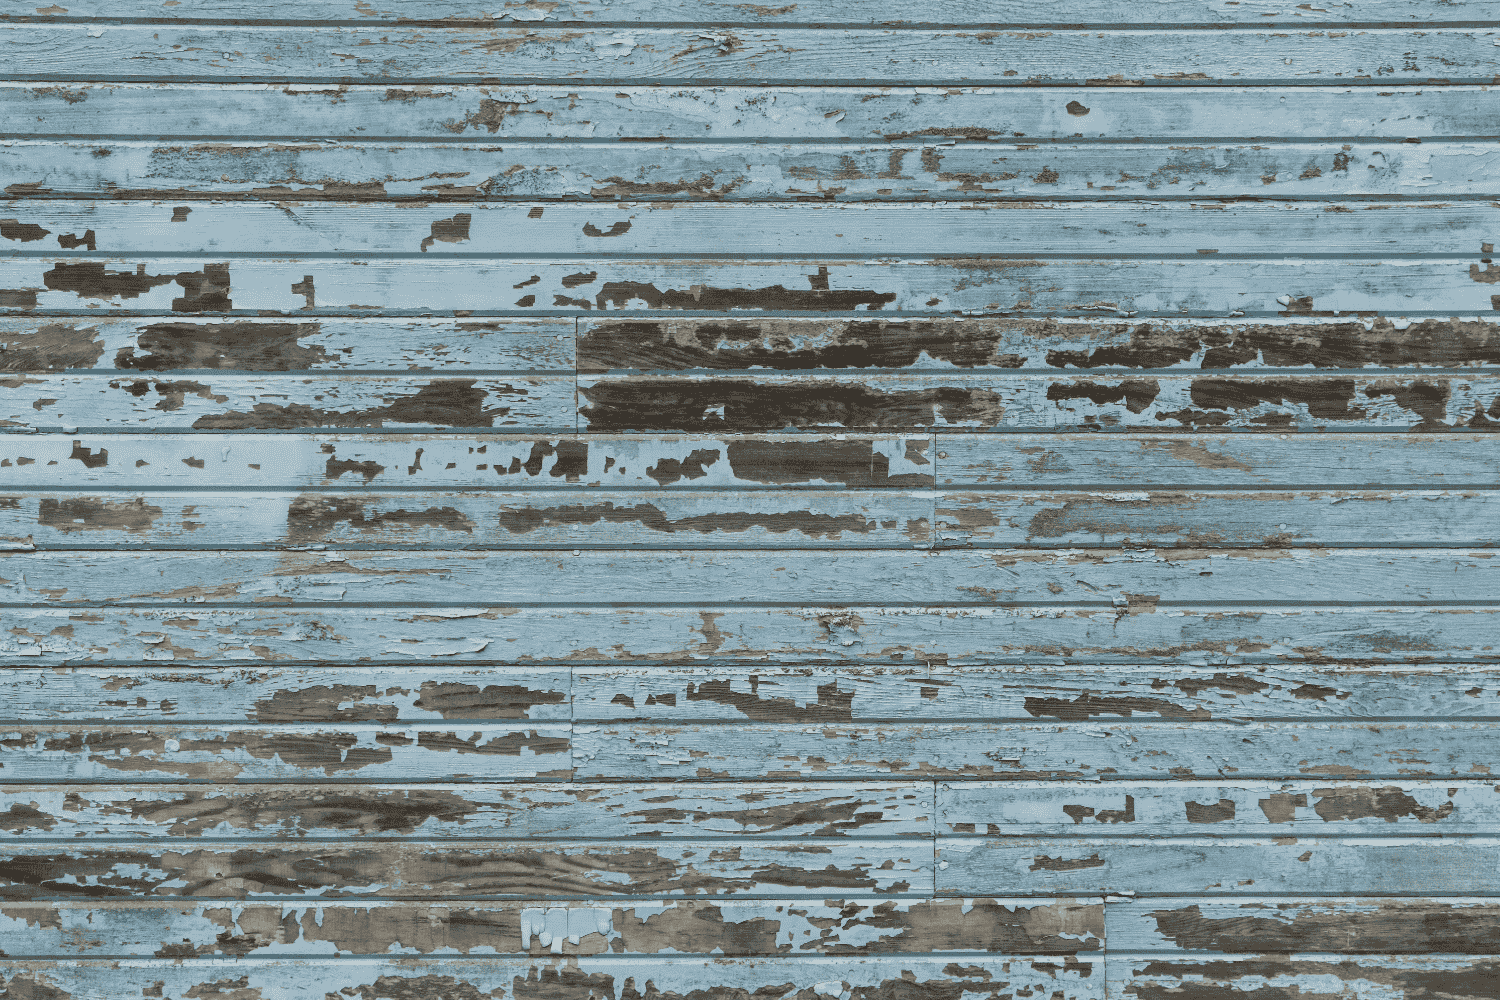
(819, 501)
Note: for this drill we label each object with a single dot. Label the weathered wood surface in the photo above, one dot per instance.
(1181, 865)
(1389, 925)
(1218, 634)
(904, 171)
(1001, 13)
(604, 977)
(1024, 229)
(730, 927)
(752, 520)
(397, 54)
(623, 111)
(496, 520)
(467, 811)
(1136, 581)
(1065, 574)
(1212, 284)
(464, 869)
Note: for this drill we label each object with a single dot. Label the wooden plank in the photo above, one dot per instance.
(466, 810)
(1029, 228)
(246, 111)
(900, 171)
(1116, 751)
(312, 694)
(397, 54)
(1346, 925)
(703, 519)
(1205, 284)
(1219, 866)
(1044, 461)
(1281, 519)
(1001, 14)
(466, 870)
(286, 752)
(1426, 402)
(811, 694)
(1134, 581)
(727, 927)
(285, 402)
(986, 343)
(519, 812)
(447, 461)
(323, 344)
(1220, 634)
(604, 977)
(1156, 977)
(1163, 809)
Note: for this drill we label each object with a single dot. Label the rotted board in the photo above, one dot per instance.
(905, 171)
(727, 927)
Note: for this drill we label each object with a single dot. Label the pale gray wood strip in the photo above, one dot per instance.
(1280, 519)
(521, 811)
(454, 346)
(1114, 751)
(456, 870)
(1219, 866)
(902, 171)
(728, 927)
(316, 978)
(460, 461)
(1349, 925)
(240, 111)
(332, 693)
(987, 343)
(771, 402)
(757, 519)
(1039, 461)
(1465, 976)
(1206, 284)
(1133, 582)
(873, 12)
(287, 402)
(1215, 809)
(811, 694)
(631, 228)
(1222, 634)
(286, 752)
(398, 54)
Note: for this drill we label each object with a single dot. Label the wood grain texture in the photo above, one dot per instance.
(1462, 976)
(467, 811)
(397, 54)
(1002, 13)
(878, 114)
(1213, 284)
(1030, 228)
(901, 171)
(728, 927)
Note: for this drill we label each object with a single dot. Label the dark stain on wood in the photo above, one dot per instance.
(1043, 863)
(620, 295)
(1390, 926)
(439, 403)
(203, 291)
(51, 347)
(648, 404)
(521, 520)
(1210, 812)
(1088, 706)
(1364, 802)
(454, 230)
(317, 517)
(493, 701)
(77, 514)
(851, 463)
(261, 347)
(833, 705)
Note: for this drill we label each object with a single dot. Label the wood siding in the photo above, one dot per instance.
(718, 501)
